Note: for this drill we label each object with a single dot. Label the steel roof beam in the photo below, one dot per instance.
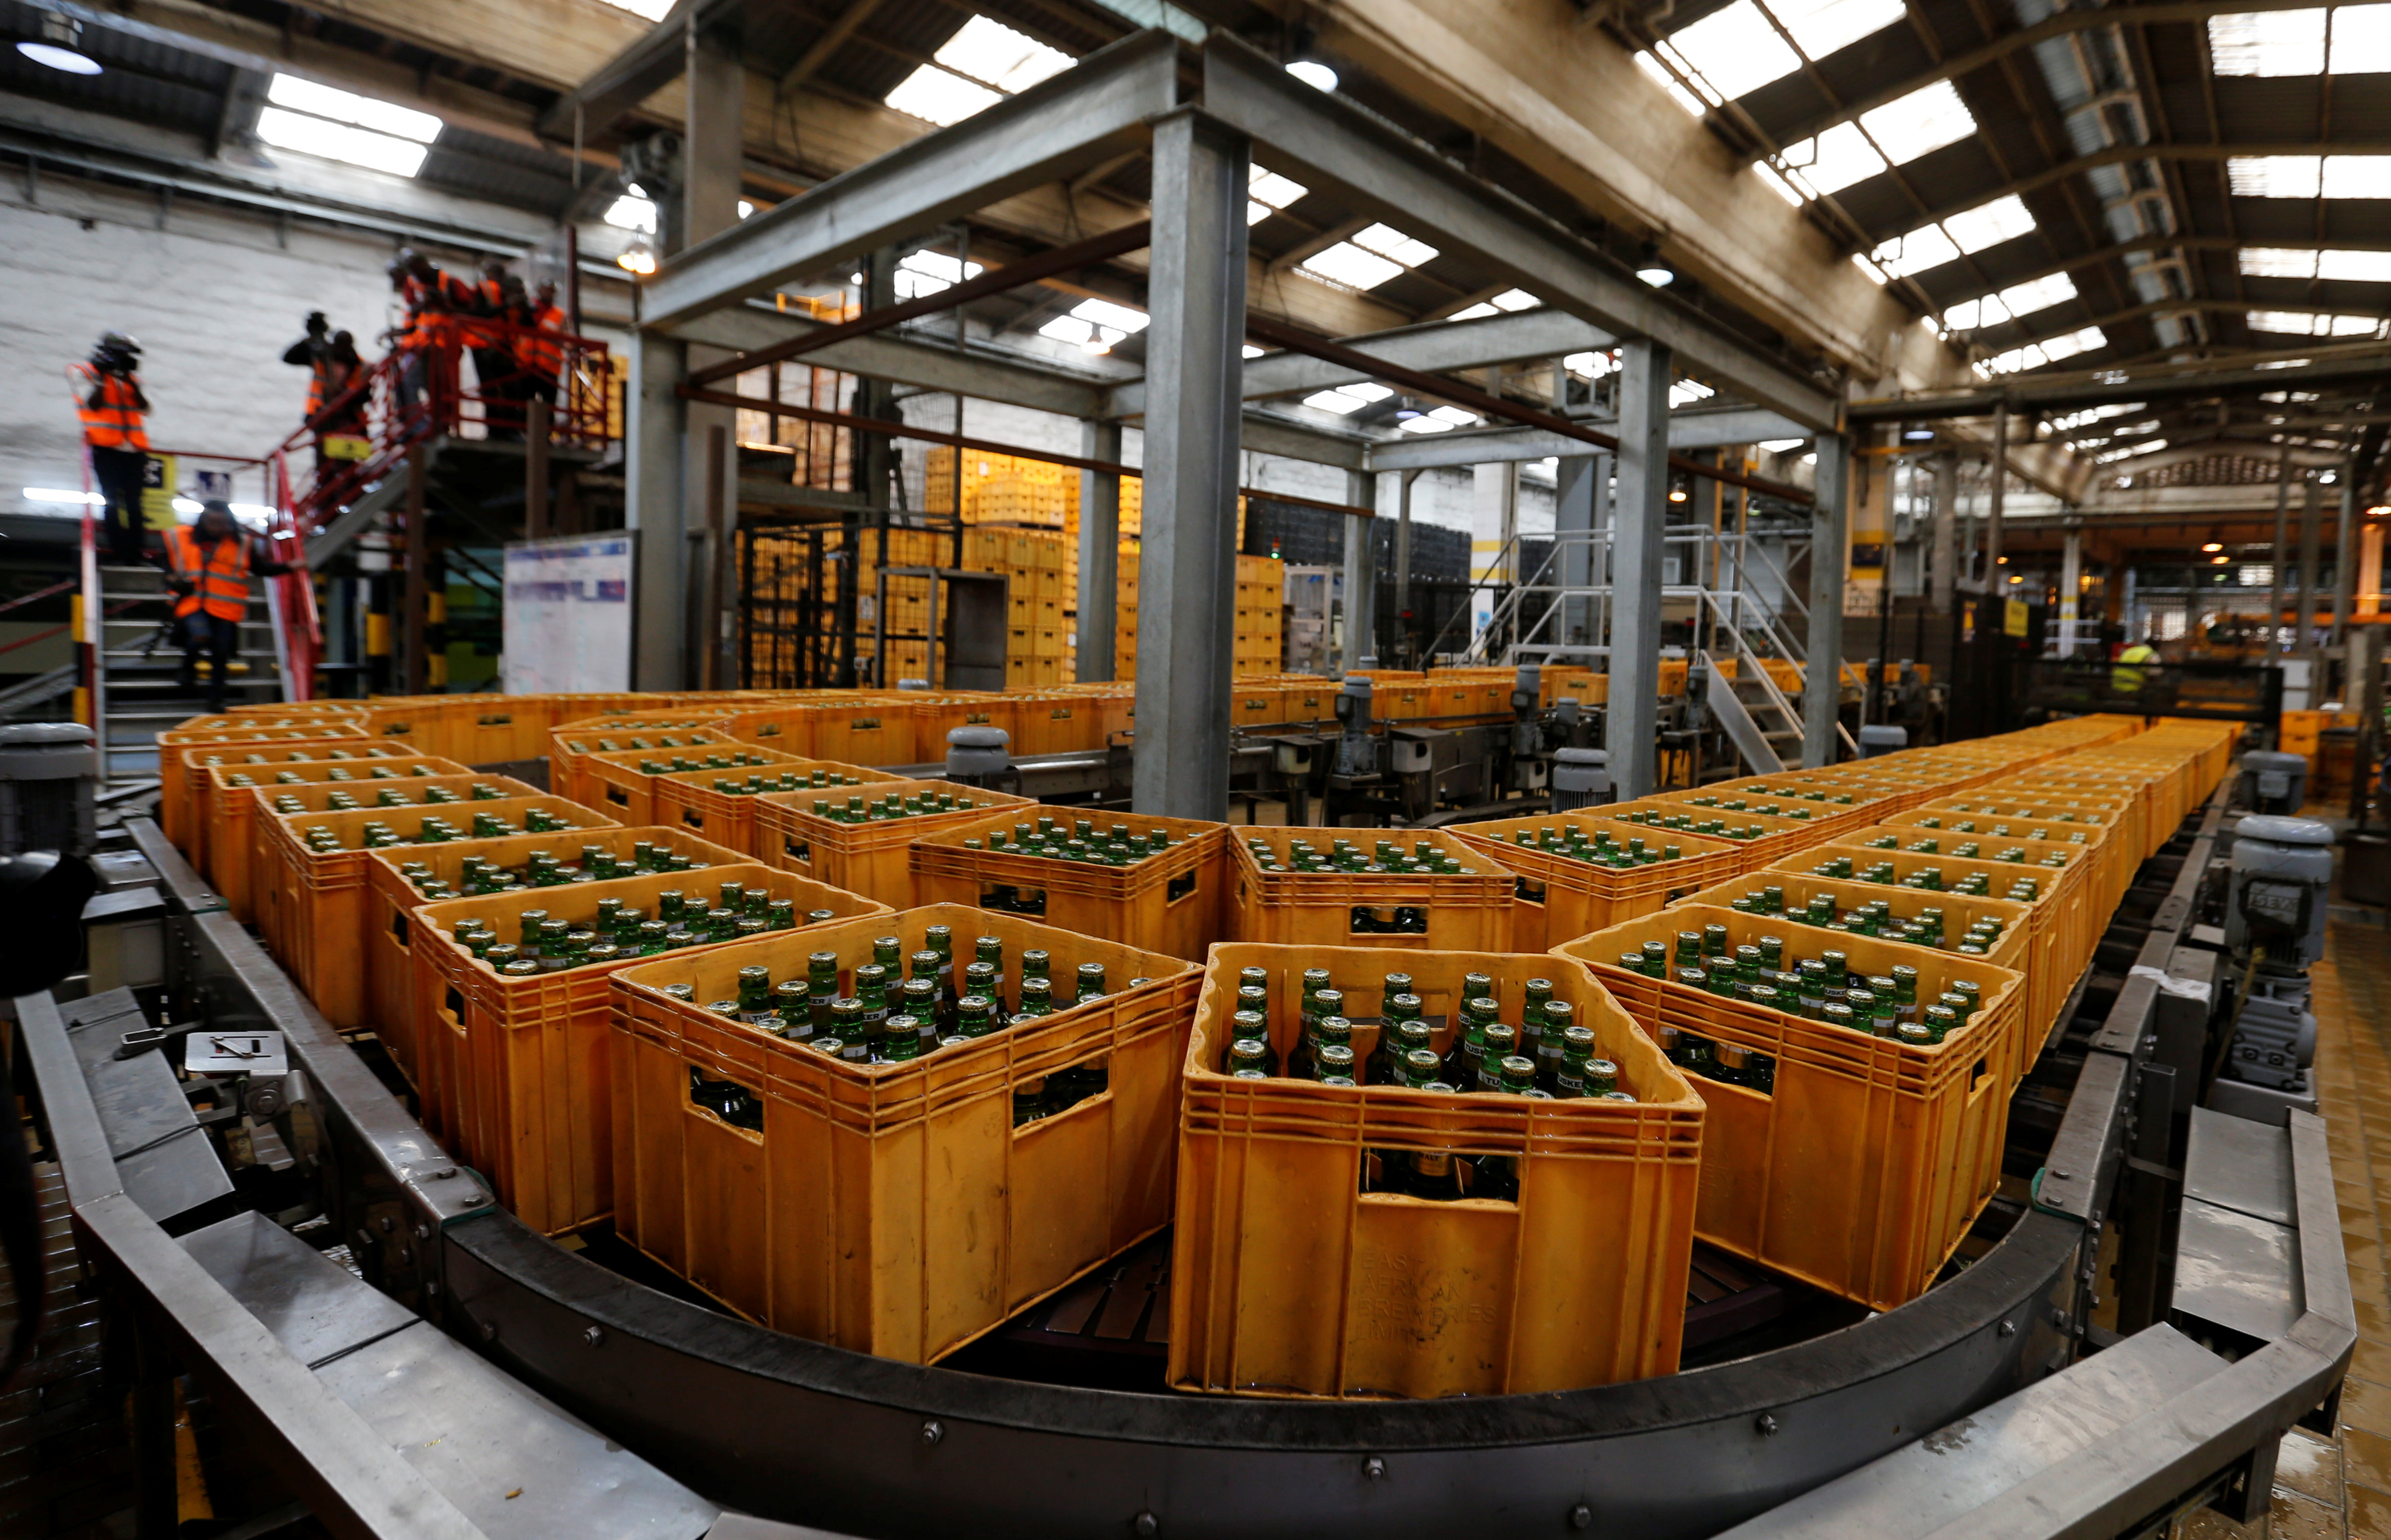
(2058, 25)
(2079, 390)
(1508, 338)
(1686, 431)
(1410, 185)
(636, 74)
(1079, 118)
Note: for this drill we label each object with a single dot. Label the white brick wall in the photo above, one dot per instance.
(213, 299)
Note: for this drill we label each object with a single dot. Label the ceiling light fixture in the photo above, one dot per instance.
(1652, 269)
(638, 258)
(2218, 561)
(60, 46)
(1677, 494)
(1918, 435)
(1319, 76)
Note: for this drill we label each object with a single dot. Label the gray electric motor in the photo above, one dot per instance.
(2273, 782)
(1357, 755)
(2283, 869)
(1882, 738)
(978, 756)
(2274, 1038)
(1581, 778)
(48, 771)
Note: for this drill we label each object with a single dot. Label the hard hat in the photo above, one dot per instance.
(117, 342)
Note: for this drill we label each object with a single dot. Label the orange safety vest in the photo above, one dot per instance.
(115, 423)
(221, 572)
(544, 348)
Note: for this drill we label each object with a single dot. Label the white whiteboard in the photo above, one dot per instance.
(567, 614)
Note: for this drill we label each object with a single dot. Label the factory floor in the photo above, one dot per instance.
(2326, 1489)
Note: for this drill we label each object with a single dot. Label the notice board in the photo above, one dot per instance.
(568, 614)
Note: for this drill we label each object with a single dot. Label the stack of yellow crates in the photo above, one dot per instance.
(1037, 649)
(1261, 595)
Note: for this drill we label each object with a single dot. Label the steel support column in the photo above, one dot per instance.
(1822, 679)
(1362, 566)
(1632, 720)
(714, 137)
(1494, 525)
(1942, 555)
(1099, 553)
(2071, 583)
(2304, 630)
(1577, 490)
(655, 484)
(1187, 559)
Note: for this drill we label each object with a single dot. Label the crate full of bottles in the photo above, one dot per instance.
(569, 744)
(1151, 882)
(1578, 872)
(315, 903)
(401, 879)
(186, 753)
(2064, 929)
(618, 774)
(276, 848)
(715, 798)
(514, 1038)
(1425, 1173)
(854, 727)
(2115, 858)
(1997, 931)
(2054, 865)
(1405, 887)
(891, 1134)
(1758, 838)
(230, 810)
(858, 839)
(1855, 1113)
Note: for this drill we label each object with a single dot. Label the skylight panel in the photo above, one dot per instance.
(654, 10)
(989, 51)
(1734, 51)
(631, 212)
(2268, 42)
(2024, 299)
(2086, 340)
(1990, 224)
(1970, 315)
(1670, 83)
(1915, 252)
(2131, 451)
(1920, 123)
(1348, 264)
(2338, 265)
(1387, 242)
(2361, 40)
(1823, 26)
(1591, 366)
(1334, 401)
(1516, 299)
(1478, 312)
(940, 97)
(336, 141)
(1456, 416)
(1833, 161)
(347, 107)
(2294, 324)
(923, 273)
(1096, 325)
(2358, 175)
(1684, 393)
(1780, 446)
(1423, 423)
(1118, 318)
(1267, 192)
(2274, 175)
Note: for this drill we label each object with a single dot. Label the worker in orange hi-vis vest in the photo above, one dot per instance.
(108, 399)
(545, 349)
(209, 564)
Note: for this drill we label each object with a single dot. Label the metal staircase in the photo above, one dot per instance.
(138, 693)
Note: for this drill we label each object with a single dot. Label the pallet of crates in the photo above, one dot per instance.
(2061, 913)
(1466, 695)
(1759, 838)
(1851, 1161)
(235, 851)
(222, 808)
(1578, 873)
(1165, 892)
(518, 1078)
(1295, 886)
(186, 755)
(2111, 872)
(2002, 933)
(907, 1207)
(859, 840)
(1377, 1241)
(2128, 799)
(316, 909)
(401, 879)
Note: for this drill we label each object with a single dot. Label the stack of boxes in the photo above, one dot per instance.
(1037, 634)
(1261, 593)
